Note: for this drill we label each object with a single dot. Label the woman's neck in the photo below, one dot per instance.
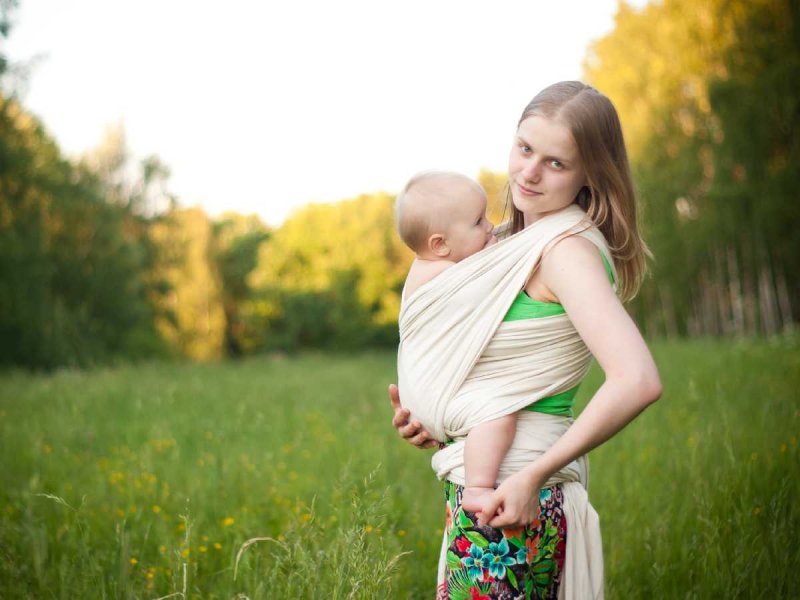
(531, 217)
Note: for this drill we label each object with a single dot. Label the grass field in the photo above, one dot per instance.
(148, 481)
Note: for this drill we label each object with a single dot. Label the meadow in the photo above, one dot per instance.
(281, 477)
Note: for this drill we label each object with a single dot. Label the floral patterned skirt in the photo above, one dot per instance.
(486, 563)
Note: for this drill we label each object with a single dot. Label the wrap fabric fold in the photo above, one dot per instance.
(460, 365)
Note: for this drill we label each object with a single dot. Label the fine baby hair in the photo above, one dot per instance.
(423, 207)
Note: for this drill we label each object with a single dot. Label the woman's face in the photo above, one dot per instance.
(545, 172)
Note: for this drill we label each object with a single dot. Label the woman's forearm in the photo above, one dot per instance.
(616, 403)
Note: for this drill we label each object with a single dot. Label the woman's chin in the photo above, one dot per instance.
(528, 207)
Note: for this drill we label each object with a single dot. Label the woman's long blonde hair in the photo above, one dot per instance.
(608, 197)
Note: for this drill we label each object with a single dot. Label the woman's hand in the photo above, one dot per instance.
(412, 432)
(515, 503)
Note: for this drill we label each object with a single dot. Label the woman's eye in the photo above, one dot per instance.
(556, 164)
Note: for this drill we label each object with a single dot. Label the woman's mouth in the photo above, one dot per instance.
(527, 191)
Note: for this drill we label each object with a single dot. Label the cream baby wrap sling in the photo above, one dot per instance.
(460, 365)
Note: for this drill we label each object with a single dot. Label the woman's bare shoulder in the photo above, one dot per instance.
(570, 252)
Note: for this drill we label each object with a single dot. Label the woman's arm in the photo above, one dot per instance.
(574, 273)
(412, 432)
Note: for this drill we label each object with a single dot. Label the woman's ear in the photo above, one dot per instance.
(438, 245)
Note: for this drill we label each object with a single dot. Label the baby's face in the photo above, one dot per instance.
(468, 229)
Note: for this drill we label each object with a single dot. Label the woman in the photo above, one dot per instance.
(568, 150)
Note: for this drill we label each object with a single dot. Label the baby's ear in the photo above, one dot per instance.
(438, 246)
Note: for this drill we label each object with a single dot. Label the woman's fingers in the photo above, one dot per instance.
(420, 440)
(506, 520)
(400, 419)
(410, 431)
(514, 517)
(401, 415)
(416, 435)
(394, 397)
(491, 507)
(513, 504)
(413, 432)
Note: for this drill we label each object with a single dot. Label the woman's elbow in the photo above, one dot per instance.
(642, 385)
(649, 388)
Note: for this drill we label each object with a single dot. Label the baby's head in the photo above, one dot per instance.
(442, 216)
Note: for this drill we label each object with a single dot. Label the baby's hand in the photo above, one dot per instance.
(473, 498)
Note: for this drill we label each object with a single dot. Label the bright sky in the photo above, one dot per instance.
(266, 106)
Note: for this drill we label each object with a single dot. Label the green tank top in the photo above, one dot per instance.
(525, 307)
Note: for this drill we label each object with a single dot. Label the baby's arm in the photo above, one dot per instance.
(422, 271)
(484, 450)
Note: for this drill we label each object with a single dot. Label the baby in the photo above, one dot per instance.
(442, 217)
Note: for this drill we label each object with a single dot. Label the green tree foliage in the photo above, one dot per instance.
(6, 8)
(757, 101)
(191, 316)
(72, 289)
(97, 261)
(236, 242)
(495, 185)
(331, 277)
(707, 91)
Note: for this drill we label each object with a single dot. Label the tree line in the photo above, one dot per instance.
(99, 262)
(709, 96)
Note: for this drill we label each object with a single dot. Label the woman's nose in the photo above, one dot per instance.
(532, 171)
